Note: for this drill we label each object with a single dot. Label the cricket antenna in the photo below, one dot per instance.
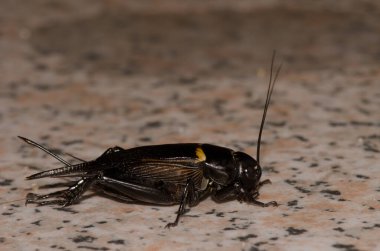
(272, 80)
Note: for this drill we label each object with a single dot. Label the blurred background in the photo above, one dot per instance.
(176, 38)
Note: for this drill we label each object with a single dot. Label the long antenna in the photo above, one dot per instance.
(80, 169)
(267, 101)
(31, 142)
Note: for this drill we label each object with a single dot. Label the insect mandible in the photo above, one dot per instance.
(166, 174)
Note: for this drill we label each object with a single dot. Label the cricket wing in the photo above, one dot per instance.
(168, 171)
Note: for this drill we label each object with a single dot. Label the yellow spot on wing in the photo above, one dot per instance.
(200, 154)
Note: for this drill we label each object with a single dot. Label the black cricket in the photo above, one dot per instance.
(167, 174)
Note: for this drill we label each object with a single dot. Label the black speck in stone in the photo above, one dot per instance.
(339, 229)
(374, 136)
(292, 203)
(42, 87)
(301, 138)
(246, 237)
(162, 219)
(332, 192)
(302, 190)
(374, 226)
(145, 139)
(295, 231)
(153, 124)
(88, 226)
(2, 239)
(253, 248)
(301, 159)
(351, 236)
(117, 242)
(187, 80)
(334, 167)
(258, 244)
(360, 176)
(313, 165)
(228, 229)
(55, 128)
(370, 148)
(318, 183)
(101, 222)
(81, 238)
(277, 124)
(92, 56)
(336, 124)
(41, 67)
(345, 247)
(220, 214)
(270, 169)
(72, 142)
(93, 248)
(291, 182)
(211, 212)
(65, 209)
(37, 223)
(192, 215)
(5, 182)
(363, 123)
(233, 219)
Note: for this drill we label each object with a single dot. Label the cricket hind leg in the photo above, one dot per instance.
(135, 192)
(132, 192)
(114, 193)
(64, 197)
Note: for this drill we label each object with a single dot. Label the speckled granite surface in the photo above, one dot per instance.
(82, 76)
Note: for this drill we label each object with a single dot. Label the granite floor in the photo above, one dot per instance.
(82, 76)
